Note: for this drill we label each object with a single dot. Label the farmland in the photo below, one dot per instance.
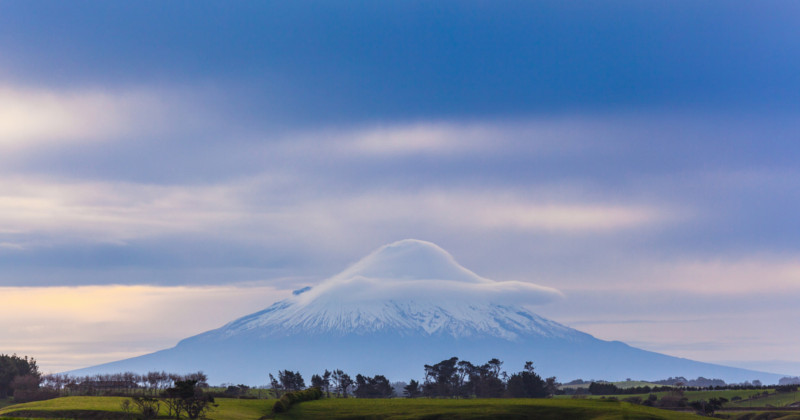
(110, 408)
(475, 409)
(351, 408)
(743, 398)
(764, 406)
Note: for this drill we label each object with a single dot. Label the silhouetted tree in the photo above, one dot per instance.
(322, 382)
(494, 366)
(551, 386)
(708, 407)
(526, 384)
(603, 388)
(485, 380)
(291, 381)
(236, 391)
(13, 366)
(441, 379)
(373, 387)
(412, 390)
(26, 388)
(326, 382)
(277, 388)
(316, 381)
(189, 398)
(342, 382)
(148, 406)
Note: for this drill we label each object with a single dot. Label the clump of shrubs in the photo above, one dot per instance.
(633, 400)
(288, 399)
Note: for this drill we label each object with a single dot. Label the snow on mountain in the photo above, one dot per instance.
(405, 305)
(407, 287)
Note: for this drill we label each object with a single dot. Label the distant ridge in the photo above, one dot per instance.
(407, 304)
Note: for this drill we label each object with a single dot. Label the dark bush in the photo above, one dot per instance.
(288, 399)
(633, 400)
(279, 406)
(37, 395)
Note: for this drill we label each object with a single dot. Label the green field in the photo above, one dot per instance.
(544, 409)
(399, 408)
(760, 415)
(234, 409)
(109, 407)
(772, 400)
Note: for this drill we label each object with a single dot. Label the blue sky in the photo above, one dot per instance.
(638, 156)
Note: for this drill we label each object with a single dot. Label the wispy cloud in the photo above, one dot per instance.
(492, 210)
(110, 211)
(727, 276)
(118, 211)
(529, 136)
(756, 275)
(71, 327)
(30, 117)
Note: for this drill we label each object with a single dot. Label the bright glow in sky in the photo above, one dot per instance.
(639, 157)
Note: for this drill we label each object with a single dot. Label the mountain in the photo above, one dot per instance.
(406, 305)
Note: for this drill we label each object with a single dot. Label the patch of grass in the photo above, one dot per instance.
(101, 404)
(761, 415)
(236, 409)
(110, 408)
(251, 393)
(704, 395)
(773, 399)
(473, 409)
(27, 418)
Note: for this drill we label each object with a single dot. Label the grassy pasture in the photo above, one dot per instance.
(398, 408)
(68, 407)
(543, 409)
(773, 399)
(234, 409)
(109, 408)
(761, 415)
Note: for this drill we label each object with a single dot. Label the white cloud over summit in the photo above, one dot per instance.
(421, 271)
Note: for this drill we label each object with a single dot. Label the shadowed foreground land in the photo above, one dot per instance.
(543, 409)
(109, 408)
(233, 409)
(394, 409)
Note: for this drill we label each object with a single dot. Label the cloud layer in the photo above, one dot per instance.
(420, 271)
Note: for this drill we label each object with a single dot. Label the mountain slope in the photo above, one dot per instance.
(405, 305)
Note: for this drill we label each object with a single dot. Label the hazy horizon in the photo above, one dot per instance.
(166, 168)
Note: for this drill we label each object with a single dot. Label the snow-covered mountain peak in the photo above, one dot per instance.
(408, 287)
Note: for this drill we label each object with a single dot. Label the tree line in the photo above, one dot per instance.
(25, 383)
(450, 378)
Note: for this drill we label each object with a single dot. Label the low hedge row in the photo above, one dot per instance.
(289, 398)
